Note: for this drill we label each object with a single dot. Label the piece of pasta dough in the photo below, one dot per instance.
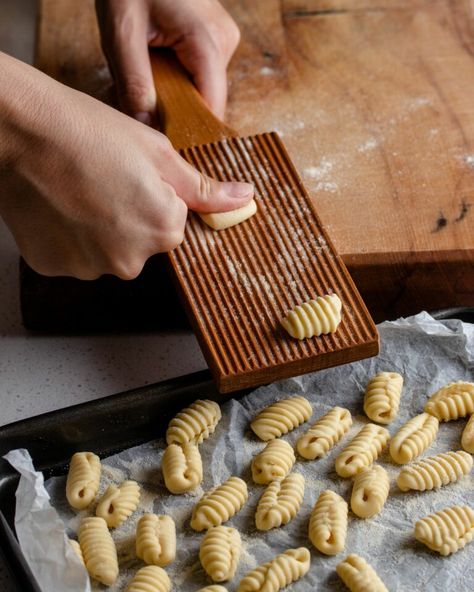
(83, 479)
(359, 576)
(273, 463)
(280, 502)
(413, 438)
(314, 317)
(223, 220)
(194, 424)
(362, 450)
(324, 433)
(213, 588)
(118, 503)
(446, 531)
(182, 467)
(77, 550)
(382, 397)
(219, 552)
(282, 570)
(328, 523)
(150, 579)
(370, 491)
(435, 471)
(98, 549)
(156, 539)
(219, 504)
(467, 440)
(281, 417)
(453, 401)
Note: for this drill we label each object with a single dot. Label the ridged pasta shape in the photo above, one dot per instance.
(281, 417)
(77, 550)
(83, 479)
(453, 401)
(280, 502)
(150, 579)
(435, 471)
(182, 467)
(467, 440)
(156, 539)
(362, 451)
(219, 504)
(324, 433)
(359, 576)
(213, 588)
(219, 552)
(194, 424)
(284, 569)
(413, 438)
(446, 531)
(370, 491)
(273, 463)
(328, 523)
(382, 397)
(314, 317)
(98, 549)
(118, 503)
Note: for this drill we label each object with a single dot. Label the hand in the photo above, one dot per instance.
(86, 190)
(202, 34)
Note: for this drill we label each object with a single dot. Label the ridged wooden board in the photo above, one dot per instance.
(239, 283)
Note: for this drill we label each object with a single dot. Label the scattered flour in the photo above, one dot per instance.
(368, 145)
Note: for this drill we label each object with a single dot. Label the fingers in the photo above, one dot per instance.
(125, 43)
(200, 192)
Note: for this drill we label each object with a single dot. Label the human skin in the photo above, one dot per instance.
(87, 190)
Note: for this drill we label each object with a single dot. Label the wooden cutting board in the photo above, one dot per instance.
(375, 106)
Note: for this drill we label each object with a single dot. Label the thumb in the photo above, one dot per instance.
(200, 192)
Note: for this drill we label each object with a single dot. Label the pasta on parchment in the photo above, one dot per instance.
(467, 440)
(446, 531)
(324, 433)
(118, 503)
(370, 491)
(194, 423)
(435, 471)
(83, 479)
(328, 523)
(281, 417)
(359, 576)
(413, 438)
(219, 504)
(273, 463)
(382, 397)
(156, 539)
(98, 549)
(150, 579)
(280, 502)
(182, 467)
(219, 552)
(362, 450)
(453, 401)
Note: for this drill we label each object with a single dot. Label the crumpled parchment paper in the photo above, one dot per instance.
(428, 354)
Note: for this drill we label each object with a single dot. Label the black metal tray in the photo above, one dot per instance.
(105, 426)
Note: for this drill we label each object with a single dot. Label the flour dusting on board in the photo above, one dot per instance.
(428, 354)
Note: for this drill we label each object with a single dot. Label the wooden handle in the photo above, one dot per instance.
(184, 117)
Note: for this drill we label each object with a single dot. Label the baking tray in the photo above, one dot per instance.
(105, 426)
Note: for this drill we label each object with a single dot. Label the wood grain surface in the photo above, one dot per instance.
(375, 106)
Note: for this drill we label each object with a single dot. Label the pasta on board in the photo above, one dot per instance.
(413, 438)
(83, 479)
(362, 451)
(280, 502)
(273, 463)
(324, 433)
(118, 503)
(314, 317)
(328, 523)
(194, 424)
(182, 467)
(281, 417)
(156, 539)
(382, 397)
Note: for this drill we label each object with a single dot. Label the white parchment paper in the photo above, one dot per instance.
(428, 354)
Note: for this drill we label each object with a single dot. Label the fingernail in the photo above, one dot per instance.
(238, 190)
(143, 117)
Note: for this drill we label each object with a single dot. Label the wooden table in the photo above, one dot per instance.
(376, 106)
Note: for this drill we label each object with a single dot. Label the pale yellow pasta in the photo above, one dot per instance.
(284, 569)
(328, 523)
(314, 317)
(213, 588)
(413, 438)
(446, 531)
(77, 550)
(219, 504)
(156, 539)
(435, 471)
(182, 467)
(370, 491)
(280, 502)
(98, 549)
(194, 424)
(118, 503)
(273, 463)
(453, 401)
(324, 433)
(362, 451)
(359, 576)
(281, 417)
(467, 441)
(150, 579)
(382, 397)
(83, 479)
(219, 552)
